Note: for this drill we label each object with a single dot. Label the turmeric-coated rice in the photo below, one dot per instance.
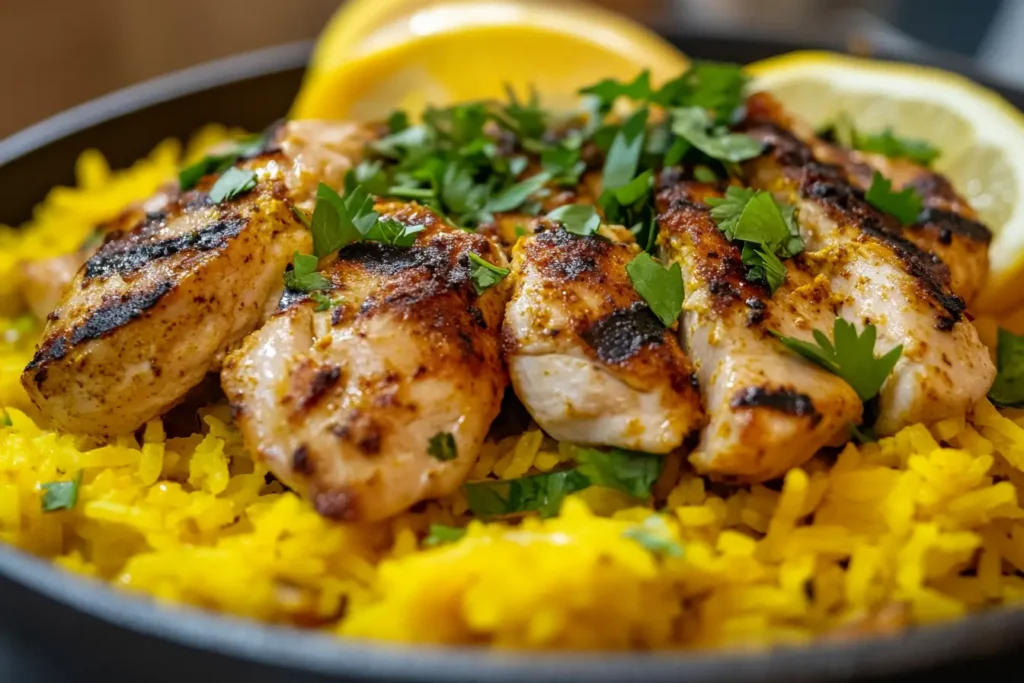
(918, 528)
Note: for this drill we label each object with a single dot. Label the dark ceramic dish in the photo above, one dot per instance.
(54, 627)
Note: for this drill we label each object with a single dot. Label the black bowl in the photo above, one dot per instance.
(55, 627)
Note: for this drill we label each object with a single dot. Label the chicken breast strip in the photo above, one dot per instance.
(880, 277)
(382, 398)
(769, 410)
(155, 309)
(588, 358)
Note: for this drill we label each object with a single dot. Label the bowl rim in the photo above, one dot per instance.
(982, 634)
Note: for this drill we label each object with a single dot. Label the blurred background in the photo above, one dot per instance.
(59, 53)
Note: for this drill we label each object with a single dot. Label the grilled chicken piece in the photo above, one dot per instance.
(879, 277)
(588, 358)
(947, 227)
(343, 404)
(156, 308)
(769, 409)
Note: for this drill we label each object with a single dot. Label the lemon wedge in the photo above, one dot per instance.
(980, 134)
(461, 50)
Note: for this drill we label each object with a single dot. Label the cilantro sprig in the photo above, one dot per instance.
(843, 131)
(579, 219)
(61, 495)
(851, 357)
(220, 163)
(484, 275)
(303, 277)
(767, 229)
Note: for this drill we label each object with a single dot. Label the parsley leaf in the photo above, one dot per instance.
(334, 219)
(483, 274)
(391, 231)
(851, 358)
(717, 87)
(623, 158)
(609, 90)
(763, 265)
(5, 418)
(767, 228)
(563, 162)
(324, 302)
(694, 124)
(61, 495)
(654, 535)
(514, 196)
(660, 287)
(627, 471)
(895, 147)
(441, 446)
(441, 534)
(905, 206)
(579, 219)
(303, 276)
(1008, 389)
(543, 493)
(232, 183)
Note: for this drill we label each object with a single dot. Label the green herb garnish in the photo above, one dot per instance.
(631, 472)
(623, 160)
(862, 434)
(441, 534)
(579, 219)
(905, 206)
(5, 418)
(660, 287)
(654, 535)
(219, 163)
(61, 495)
(1008, 389)
(324, 302)
(627, 471)
(886, 143)
(441, 446)
(303, 277)
(483, 274)
(852, 357)
(697, 127)
(232, 183)
(339, 221)
(767, 229)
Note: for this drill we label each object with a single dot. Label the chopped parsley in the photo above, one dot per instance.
(339, 221)
(852, 357)
(905, 206)
(697, 127)
(886, 143)
(232, 183)
(579, 219)
(5, 418)
(655, 536)
(660, 287)
(219, 163)
(303, 277)
(441, 446)
(767, 229)
(1008, 389)
(324, 302)
(623, 159)
(61, 495)
(483, 274)
(441, 534)
(631, 472)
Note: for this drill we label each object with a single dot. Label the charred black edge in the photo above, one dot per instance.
(828, 184)
(126, 256)
(322, 381)
(948, 223)
(568, 256)
(622, 334)
(107, 318)
(301, 462)
(782, 400)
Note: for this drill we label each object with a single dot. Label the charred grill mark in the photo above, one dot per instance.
(757, 311)
(301, 461)
(619, 336)
(785, 401)
(948, 223)
(336, 505)
(127, 256)
(389, 261)
(562, 255)
(107, 318)
(290, 297)
(828, 184)
(780, 144)
(323, 379)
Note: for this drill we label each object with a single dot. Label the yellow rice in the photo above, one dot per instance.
(918, 528)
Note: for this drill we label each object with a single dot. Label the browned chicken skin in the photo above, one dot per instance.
(343, 404)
